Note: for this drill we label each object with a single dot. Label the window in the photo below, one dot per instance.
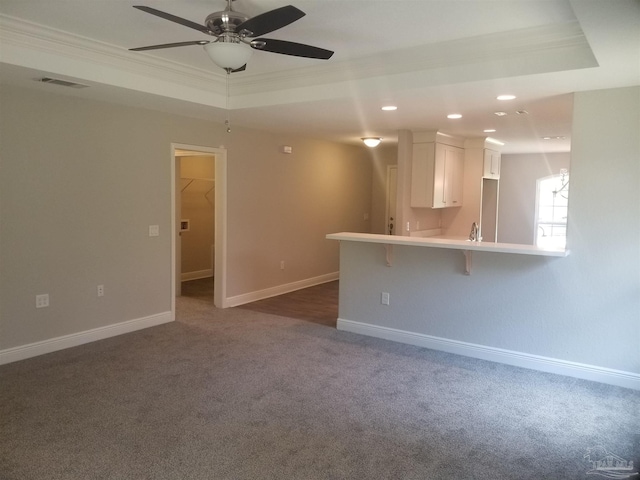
(552, 200)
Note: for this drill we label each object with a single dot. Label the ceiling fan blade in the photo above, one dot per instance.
(173, 18)
(290, 48)
(270, 21)
(170, 45)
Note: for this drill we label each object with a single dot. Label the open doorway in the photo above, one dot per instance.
(199, 218)
(196, 216)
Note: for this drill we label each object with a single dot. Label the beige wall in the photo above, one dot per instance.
(281, 206)
(81, 181)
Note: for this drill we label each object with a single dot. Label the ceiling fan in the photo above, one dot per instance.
(235, 35)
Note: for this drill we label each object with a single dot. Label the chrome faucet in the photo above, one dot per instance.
(474, 236)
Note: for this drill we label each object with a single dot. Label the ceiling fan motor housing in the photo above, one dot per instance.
(225, 22)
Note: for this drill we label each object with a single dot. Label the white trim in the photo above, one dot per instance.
(24, 43)
(280, 289)
(519, 359)
(80, 338)
(197, 275)
(387, 198)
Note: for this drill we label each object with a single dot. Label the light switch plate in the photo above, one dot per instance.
(154, 230)
(384, 298)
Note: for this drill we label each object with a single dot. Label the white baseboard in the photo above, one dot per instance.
(509, 357)
(73, 340)
(280, 289)
(197, 275)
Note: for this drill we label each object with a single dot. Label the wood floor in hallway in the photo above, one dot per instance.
(318, 304)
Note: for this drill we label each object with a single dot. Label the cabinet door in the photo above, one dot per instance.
(440, 179)
(422, 171)
(491, 164)
(448, 178)
(436, 176)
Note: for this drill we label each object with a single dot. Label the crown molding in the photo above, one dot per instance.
(540, 49)
(535, 50)
(27, 44)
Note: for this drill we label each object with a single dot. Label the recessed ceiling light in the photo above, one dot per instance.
(389, 108)
(506, 97)
(554, 138)
(522, 112)
(500, 114)
(454, 116)
(489, 130)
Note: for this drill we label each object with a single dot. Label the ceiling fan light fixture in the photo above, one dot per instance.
(371, 141)
(228, 55)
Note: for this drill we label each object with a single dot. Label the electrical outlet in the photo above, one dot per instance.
(384, 298)
(42, 301)
(100, 290)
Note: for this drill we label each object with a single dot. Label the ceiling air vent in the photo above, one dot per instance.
(63, 83)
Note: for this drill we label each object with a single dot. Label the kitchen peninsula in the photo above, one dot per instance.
(414, 290)
(574, 315)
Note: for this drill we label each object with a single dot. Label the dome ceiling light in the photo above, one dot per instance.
(371, 141)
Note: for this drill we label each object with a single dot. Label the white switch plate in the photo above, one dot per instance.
(154, 230)
(384, 298)
(42, 301)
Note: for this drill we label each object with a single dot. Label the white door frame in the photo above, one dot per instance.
(391, 190)
(220, 262)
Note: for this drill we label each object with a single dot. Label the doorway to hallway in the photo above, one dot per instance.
(196, 236)
(199, 218)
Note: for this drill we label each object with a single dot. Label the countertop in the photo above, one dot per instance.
(450, 243)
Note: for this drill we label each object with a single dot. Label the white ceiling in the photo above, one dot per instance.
(428, 57)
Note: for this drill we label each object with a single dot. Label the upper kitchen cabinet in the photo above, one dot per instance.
(491, 164)
(437, 171)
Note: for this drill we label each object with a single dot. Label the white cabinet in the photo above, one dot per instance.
(491, 164)
(437, 175)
